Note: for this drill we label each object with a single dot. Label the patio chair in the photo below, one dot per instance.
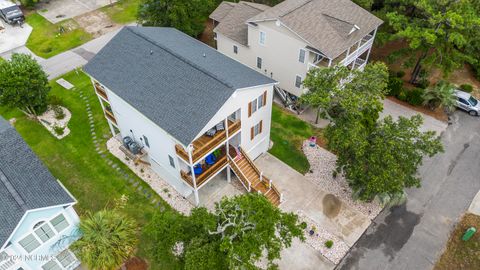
(210, 159)
(220, 126)
(211, 132)
(197, 169)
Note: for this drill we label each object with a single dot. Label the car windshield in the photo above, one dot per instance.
(11, 9)
(473, 101)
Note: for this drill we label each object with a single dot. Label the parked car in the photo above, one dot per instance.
(11, 13)
(467, 102)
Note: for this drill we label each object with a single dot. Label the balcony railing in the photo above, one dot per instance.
(101, 91)
(207, 174)
(205, 143)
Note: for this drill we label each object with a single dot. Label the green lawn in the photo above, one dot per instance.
(123, 12)
(288, 133)
(74, 161)
(48, 39)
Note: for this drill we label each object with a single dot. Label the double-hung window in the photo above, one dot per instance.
(256, 130)
(44, 232)
(257, 103)
(262, 38)
(59, 223)
(259, 62)
(29, 243)
(298, 81)
(301, 56)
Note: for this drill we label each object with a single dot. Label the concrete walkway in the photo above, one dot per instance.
(414, 235)
(59, 10)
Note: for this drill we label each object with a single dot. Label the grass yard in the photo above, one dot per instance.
(460, 254)
(47, 39)
(80, 168)
(288, 133)
(122, 12)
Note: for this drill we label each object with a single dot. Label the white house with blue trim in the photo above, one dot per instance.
(37, 219)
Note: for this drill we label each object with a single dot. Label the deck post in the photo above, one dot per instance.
(227, 148)
(229, 174)
(261, 176)
(281, 197)
(270, 183)
(195, 190)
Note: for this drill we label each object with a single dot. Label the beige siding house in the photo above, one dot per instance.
(285, 41)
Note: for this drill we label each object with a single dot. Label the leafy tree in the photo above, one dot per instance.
(187, 16)
(234, 236)
(366, 4)
(108, 239)
(440, 96)
(382, 162)
(437, 32)
(23, 85)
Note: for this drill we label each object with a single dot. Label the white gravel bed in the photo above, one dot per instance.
(318, 239)
(322, 165)
(48, 120)
(145, 172)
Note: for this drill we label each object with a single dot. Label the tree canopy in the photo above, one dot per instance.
(188, 16)
(437, 32)
(234, 236)
(23, 84)
(378, 157)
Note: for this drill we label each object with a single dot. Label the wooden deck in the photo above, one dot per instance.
(205, 144)
(110, 116)
(101, 91)
(207, 174)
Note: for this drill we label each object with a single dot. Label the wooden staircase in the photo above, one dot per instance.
(252, 179)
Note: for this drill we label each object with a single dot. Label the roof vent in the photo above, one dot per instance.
(151, 52)
(354, 28)
(204, 55)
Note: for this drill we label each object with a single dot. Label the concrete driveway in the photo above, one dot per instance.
(14, 37)
(59, 10)
(396, 110)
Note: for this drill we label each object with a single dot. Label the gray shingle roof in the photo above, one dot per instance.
(323, 23)
(233, 24)
(25, 183)
(221, 11)
(174, 80)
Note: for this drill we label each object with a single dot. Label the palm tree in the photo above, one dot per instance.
(108, 239)
(441, 95)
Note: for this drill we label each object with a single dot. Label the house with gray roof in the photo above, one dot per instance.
(183, 108)
(37, 219)
(285, 41)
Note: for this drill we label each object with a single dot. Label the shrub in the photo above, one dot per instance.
(415, 96)
(423, 81)
(402, 95)
(394, 86)
(59, 130)
(329, 243)
(59, 114)
(400, 74)
(466, 87)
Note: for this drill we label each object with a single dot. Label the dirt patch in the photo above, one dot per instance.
(460, 254)
(331, 205)
(96, 23)
(438, 113)
(136, 263)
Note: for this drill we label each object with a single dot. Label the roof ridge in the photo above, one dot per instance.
(11, 189)
(338, 19)
(253, 6)
(179, 56)
(295, 8)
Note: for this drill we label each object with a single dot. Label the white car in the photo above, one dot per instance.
(467, 102)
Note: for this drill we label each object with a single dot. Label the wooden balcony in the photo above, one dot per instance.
(101, 91)
(110, 116)
(207, 174)
(205, 143)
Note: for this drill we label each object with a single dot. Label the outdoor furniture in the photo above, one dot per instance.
(210, 159)
(220, 126)
(211, 132)
(197, 169)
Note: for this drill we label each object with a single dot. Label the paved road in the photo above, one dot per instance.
(414, 235)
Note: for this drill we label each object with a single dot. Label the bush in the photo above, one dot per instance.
(394, 86)
(59, 130)
(400, 74)
(59, 114)
(402, 95)
(415, 96)
(329, 243)
(466, 87)
(54, 100)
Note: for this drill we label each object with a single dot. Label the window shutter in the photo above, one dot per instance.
(252, 133)
(260, 128)
(264, 98)
(249, 109)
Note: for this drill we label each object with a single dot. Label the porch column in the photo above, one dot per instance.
(195, 190)
(329, 62)
(368, 54)
(227, 145)
(229, 174)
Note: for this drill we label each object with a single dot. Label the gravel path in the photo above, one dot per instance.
(322, 165)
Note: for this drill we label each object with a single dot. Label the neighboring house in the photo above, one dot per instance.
(285, 41)
(192, 110)
(37, 219)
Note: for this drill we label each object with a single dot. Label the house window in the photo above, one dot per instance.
(262, 37)
(235, 49)
(29, 243)
(66, 258)
(51, 265)
(298, 81)
(59, 223)
(262, 100)
(172, 162)
(256, 130)
(45, 232)
(145, 139)
(259, 62)
(253, 106)
(301, 56)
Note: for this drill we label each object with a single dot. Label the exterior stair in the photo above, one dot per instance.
(252, 179)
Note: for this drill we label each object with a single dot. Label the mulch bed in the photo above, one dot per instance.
(438, 113)
(136, 263)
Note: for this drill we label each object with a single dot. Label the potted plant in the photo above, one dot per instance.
(312, 230)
